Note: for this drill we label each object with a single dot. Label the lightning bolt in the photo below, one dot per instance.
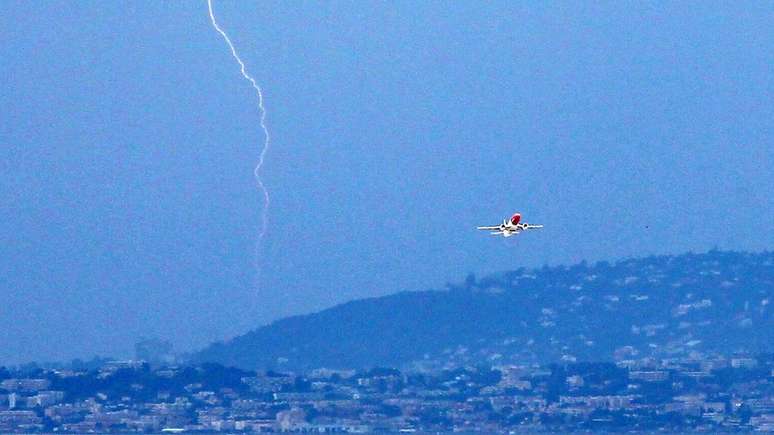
(262, 110)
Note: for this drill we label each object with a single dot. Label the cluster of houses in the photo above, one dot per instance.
(712, 393)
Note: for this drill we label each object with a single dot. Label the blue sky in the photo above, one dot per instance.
(128, 140)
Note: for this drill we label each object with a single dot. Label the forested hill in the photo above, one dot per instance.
(718, 302)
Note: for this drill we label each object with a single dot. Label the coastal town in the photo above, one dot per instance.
(699, 393)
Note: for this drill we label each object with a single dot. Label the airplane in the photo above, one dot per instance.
(510, 227)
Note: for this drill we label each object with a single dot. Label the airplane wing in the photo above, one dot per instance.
(493, 228)
(530, 226)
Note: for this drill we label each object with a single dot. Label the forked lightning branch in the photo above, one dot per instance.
(262, 117)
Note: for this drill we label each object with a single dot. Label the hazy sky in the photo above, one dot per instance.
(128, 138)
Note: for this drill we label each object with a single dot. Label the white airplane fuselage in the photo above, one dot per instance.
(510, 227)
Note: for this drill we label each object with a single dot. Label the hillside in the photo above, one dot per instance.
(718, 302)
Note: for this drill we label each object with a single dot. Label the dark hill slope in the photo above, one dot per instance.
(719, 302)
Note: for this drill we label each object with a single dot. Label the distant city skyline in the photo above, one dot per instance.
(661, 395)
(129, 140)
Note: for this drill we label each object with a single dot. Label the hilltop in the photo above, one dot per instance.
(661, 306)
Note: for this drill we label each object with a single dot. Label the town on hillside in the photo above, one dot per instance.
(698, 393)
